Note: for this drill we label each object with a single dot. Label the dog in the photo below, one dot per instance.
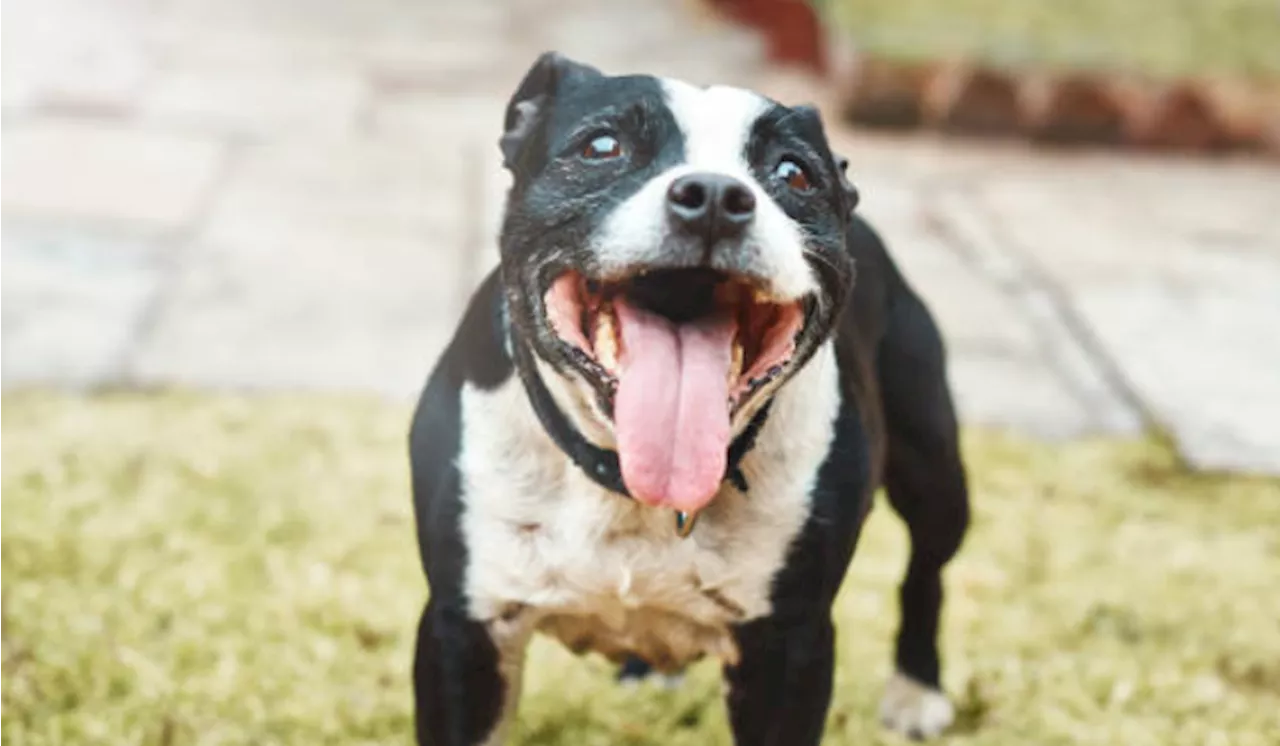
(658, 429)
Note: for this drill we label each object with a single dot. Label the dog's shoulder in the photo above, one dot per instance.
(876, 281)
(476, 357)
(850, 470)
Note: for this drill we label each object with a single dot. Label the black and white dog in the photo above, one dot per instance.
(659, 427)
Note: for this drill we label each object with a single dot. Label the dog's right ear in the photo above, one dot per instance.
(532, 100)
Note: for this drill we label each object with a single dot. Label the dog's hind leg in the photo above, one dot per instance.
(925, 479)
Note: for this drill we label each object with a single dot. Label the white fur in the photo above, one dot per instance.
(914, 709)
(716, 123)
(551, 550)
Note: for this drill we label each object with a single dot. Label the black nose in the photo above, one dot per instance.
(713, 206)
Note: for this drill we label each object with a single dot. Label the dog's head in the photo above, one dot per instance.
(671, 256)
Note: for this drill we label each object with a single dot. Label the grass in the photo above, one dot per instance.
(195, 569)
(1155, 37)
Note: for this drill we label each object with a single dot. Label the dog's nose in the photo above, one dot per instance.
(713, 206)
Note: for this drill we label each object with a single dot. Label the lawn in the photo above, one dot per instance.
(199, 569)
(1155, 37)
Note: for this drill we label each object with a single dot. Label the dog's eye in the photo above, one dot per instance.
(602, 147)
(793, 175)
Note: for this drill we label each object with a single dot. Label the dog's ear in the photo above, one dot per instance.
(532, 100)
(850, 191)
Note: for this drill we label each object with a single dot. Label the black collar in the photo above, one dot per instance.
(601, 464)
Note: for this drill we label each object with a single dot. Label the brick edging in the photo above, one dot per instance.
(1068, 107)
(791, 29)
(1060, 107)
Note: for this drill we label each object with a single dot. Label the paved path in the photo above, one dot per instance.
(300, 194)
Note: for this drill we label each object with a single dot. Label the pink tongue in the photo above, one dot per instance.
(672, 407)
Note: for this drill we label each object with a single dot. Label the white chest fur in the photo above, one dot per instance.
(551, 548)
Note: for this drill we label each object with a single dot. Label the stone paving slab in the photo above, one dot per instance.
(74, 55)
(349, 185)
(656, 41)
(72, 302)
(321, 322)
(336, 272)
(421, 115)
(91, 171)
(1104, 404)
(999, 371)
(1171, 274)
(256, 103)
(1089, 219)
(1205, 358)
(1014, 359)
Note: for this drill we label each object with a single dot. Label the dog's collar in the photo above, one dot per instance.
(601, 464)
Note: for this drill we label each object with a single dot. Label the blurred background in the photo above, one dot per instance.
(236, 234)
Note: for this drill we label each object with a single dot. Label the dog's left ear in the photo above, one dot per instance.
(532, 100)
(811, 114)
(850, 191)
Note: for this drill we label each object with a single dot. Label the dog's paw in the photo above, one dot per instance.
(913, 709)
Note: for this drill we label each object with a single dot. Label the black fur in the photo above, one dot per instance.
(896, 420)
(896, 424)
(458, 693)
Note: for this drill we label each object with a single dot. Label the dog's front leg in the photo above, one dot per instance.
(466, 682)
(781, 687)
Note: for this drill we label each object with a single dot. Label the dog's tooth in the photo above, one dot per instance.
(606, 339)
(735, 365)
(761, 296)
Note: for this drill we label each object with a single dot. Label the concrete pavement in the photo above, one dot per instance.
(301, 193)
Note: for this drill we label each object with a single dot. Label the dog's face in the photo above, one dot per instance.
(671, 256)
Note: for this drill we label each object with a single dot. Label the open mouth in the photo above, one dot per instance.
(679, 352)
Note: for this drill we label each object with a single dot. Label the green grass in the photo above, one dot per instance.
(1156, 37)
(190, 569)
